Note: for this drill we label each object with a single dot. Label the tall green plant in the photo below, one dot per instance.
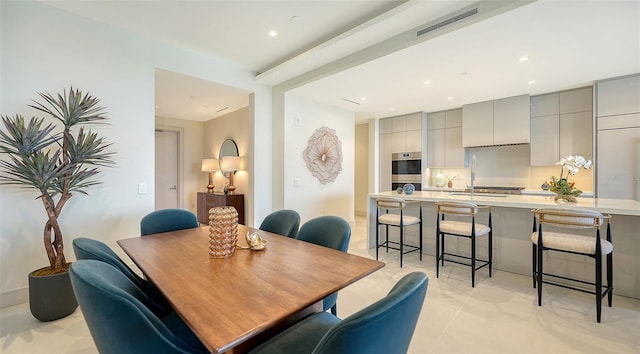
(56, 163)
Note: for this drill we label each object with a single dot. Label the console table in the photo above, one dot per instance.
(207, 201)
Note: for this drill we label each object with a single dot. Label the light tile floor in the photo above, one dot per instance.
(499, 315)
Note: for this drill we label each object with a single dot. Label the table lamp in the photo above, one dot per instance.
(229, 165)
(211, 166)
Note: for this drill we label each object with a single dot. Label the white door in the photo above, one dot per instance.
(166, 172)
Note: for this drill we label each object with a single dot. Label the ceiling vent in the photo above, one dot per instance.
(447, 22)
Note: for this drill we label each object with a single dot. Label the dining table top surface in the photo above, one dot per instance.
(226, 301)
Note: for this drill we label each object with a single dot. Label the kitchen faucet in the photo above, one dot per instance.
(473, 172)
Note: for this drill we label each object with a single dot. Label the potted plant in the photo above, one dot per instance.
(58, 160)
(561, 186)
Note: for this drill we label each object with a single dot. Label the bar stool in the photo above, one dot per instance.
(470, 230)
(593, 247)
(396, 220)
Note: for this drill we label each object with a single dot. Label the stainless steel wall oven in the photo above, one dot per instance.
(406, 167)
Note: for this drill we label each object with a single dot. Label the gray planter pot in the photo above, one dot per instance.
(51, 297)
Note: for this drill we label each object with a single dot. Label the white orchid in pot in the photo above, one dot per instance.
(56, 159)
(561, 186)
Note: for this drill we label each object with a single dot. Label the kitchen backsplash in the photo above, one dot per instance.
(507, 166)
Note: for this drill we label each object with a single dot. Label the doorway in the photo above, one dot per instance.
(167, 166)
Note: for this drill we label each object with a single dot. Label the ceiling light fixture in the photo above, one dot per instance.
(427, 82)
(450, 98)
(525, 58)
(531, 82)
(363, 98)
(392, 109)
(273, 33)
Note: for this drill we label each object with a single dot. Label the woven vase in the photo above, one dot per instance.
(223, 231)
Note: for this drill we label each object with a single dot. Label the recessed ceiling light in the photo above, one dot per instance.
(392, 109)
(450, 98)
(525, 58)
(427, 82)
(363, 98)
(273, 33)
(531, 82)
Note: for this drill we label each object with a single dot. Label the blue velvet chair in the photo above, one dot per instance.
(166, 220)
(282, 222)
(88, 249)
(384, 327)
(329, 231)
(119, 316)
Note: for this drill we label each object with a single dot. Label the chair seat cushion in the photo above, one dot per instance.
(394, 219)
(462, 228)
(572, 242)
(301, 337)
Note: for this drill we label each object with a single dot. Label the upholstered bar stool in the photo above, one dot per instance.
(550, 239)
(387, 204)
(462, 228)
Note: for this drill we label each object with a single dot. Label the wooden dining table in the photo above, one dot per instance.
(232, 304)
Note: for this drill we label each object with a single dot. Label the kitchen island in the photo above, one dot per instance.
(512, 227)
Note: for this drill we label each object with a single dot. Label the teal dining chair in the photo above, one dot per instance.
(119, 316)
(282, 222)
(329, 231)
(385, 326)
(89, 249)
(166, 220)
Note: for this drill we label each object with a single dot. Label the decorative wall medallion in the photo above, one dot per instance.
(323, 155)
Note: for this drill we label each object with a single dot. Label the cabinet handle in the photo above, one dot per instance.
(172, 188)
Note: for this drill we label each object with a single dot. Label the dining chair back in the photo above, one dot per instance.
(118, 315)
(385, 326)
(282, 222)
(329, 231)
(165, 220)
(89, 249)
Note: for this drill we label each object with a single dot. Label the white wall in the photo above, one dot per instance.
(45, 49)
(312, 198)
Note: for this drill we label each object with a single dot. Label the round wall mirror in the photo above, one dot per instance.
(228, 148)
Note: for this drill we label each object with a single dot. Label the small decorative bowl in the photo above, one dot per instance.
(399, 190)
(409, 188)
(255, 241)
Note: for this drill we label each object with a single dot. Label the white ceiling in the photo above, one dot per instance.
(568, 43)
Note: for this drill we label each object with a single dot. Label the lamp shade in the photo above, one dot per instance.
(210, 165)
(230, 163)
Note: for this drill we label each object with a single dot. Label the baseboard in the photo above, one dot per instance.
(15, 297)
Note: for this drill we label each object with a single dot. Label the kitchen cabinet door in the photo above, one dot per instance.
(399, 124)
(454, 152)
(618, 170)
(385, 126)
(545, 140)
(579, 100)
(436, 148)
(576, 134)
(414, 121)
(545, 105)
(477, 124)
(618, 96)
(413, 141)
(398, 142)
(436, 120)
(453, 118)
(511, 120)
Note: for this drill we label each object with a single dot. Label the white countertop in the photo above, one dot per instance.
(608, 206)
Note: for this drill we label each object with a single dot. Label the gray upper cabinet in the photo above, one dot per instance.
(561, 125)
(444, 139)
(618, 96)
(498, 122)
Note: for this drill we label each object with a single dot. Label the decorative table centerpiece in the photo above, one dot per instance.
(564, 189)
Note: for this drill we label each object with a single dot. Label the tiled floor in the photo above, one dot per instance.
(499, 315)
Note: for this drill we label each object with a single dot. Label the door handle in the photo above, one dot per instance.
(172, 188)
